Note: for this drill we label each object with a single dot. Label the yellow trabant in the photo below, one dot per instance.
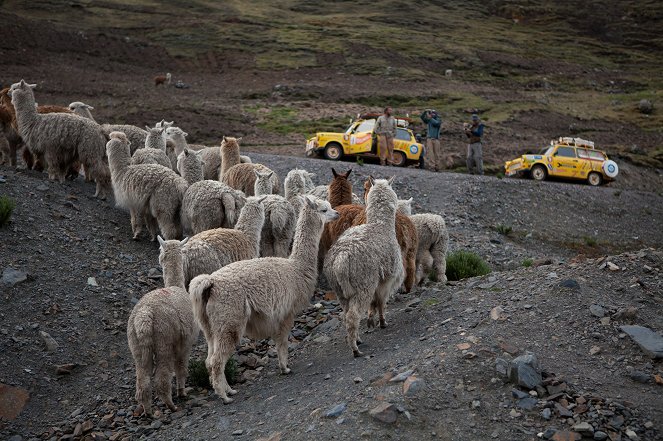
(358, 140)
(572, 158)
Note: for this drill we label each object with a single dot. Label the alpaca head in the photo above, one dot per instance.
(253, 208)
(121, 136)
(230, 144)
(404, 206)
(156, 137)
(189, 159)
(164, 124)
(21, 89)
(168, 76)
(77, 106)
(381, 195)
(320, 207)
(263, 184)
(118, 145)
(172, 132)
(170, 259)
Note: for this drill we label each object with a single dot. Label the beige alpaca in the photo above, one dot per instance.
(364, 267)
(161, 331)
(259, 297)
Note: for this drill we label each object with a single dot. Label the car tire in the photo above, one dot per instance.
(594, 179)
(333, 151)
(539, 173)
(400, 159)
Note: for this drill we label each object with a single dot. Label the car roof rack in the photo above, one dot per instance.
(401, 121)
(573, 142)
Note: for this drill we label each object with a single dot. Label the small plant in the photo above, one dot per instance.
(499, 175)
(617, 193)
(199, 377)
(6, 208)
(464, 264)
(527, 262)
(430, 302)
(360, 161)
(589, 241)
(503, 229)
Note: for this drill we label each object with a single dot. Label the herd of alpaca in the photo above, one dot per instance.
(251, 258)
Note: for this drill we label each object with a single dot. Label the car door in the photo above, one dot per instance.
(565, 162)
(584, 163)
(361, 138)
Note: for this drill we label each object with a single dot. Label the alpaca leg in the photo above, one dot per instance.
(439, 261)
(218, 375)
(425, 263)
(144, 388)
(410, 267)
(163, 383)
(352, 319)
(282, 344)
(180, 372)
(152, 225)
(136, 223)
(371, 313)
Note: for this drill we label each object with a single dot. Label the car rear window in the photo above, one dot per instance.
(593, 154)
(567, 152)
(582, 153)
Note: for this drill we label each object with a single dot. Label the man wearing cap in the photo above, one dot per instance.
(385, 129)
(474, 132)
(433, 152)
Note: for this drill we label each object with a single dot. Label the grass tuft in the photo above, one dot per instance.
(503, 229)
(6, 208)
(463, 264)
(527, 262)
(589, 241)
(199, 377)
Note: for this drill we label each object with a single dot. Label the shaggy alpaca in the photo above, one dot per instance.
(62, 138)
(136, 135)
(213, 158)
(149, 191)
(258, 297)
(176, 143)
(210, 250)
(162, 79)
(363, 284)
(5, 151)
(339, 189)
(189, 166)
(433, 239)
(353, 215)
(238, 175)
(210, 204)
(280, 219)
(161, 331)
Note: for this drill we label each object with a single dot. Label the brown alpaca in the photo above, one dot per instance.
(8, 119)
(162, 79)
(340, 189)
(352, 215)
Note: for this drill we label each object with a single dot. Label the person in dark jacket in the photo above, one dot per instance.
(433, 152)
(474, 133)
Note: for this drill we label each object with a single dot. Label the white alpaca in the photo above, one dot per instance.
(280, 219)
(364, 267)
(161, 331)
(259, 297)
(154, 151)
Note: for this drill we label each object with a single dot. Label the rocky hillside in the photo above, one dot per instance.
(564, 286)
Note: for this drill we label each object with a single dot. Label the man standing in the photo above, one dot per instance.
(385, 129)
(474, 132)
(433, 152)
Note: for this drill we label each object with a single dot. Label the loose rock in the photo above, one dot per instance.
(336, 410)
(11, 276)
(650, 342)
(525, 371)
(51, 344)
(384, 412)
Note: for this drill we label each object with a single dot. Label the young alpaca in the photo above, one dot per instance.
(154, 151)
(280, 219)
(161, 331)
(82, 109)
(238, 175)
(210, 250)
(259, 297)
(61, 138)
(365, 284)
(433, 240)
(149, 191)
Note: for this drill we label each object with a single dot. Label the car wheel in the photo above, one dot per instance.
(400, 159)
(333, 151)
(539, 173)
(594, 179)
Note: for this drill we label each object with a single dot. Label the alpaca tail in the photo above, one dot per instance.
(199, 292)
(229, 208)
(337, 272)
(143, 335)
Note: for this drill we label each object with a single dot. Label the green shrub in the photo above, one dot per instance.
(6, 208)
(589, 241)
(464, 264)
(199, 377)
(503, 229)
(527, 262)
(499, 175)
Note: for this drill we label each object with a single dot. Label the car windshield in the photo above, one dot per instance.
(365, 126)
(546, 151)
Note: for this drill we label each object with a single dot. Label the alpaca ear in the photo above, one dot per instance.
(348, 173)
(161, 241)
(186, 151)
(223, 139)
(334, 172)
(184, 241)
(270, 174)
(410, 200)
(89, 107)
(148, 128)
(185, 134)
(391, 180)
(371, 179)
(311, 203)
(261, 200)
(256, 173)
(238, 139)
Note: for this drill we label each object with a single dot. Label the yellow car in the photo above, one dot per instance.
(573, 158)
(358, 140)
